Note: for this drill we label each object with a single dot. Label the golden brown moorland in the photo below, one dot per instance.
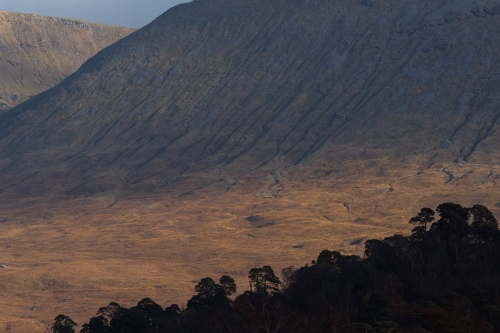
(73, 255)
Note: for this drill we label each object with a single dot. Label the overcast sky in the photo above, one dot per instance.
(128, 13)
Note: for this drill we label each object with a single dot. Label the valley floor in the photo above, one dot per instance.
(73, 255)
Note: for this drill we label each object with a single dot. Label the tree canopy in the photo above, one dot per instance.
(442, 278)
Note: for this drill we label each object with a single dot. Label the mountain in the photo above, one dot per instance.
(231, 134)
(236, 85)
(37, 52)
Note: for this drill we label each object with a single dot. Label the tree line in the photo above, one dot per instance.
(442, 278)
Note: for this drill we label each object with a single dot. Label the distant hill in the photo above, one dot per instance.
(37, 52)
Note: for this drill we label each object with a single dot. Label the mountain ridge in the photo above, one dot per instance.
(39, 51)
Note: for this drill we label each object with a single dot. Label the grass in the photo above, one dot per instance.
(73, 255)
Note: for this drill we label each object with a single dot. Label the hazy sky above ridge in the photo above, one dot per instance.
(128, 13)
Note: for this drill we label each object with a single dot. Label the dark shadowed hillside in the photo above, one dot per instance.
(235, 134)
(242, 84)
(37, 52)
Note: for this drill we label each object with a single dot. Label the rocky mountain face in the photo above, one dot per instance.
(239, 85)
(37, 52)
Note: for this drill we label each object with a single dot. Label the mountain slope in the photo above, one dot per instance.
(238, 85)
(37, 52)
